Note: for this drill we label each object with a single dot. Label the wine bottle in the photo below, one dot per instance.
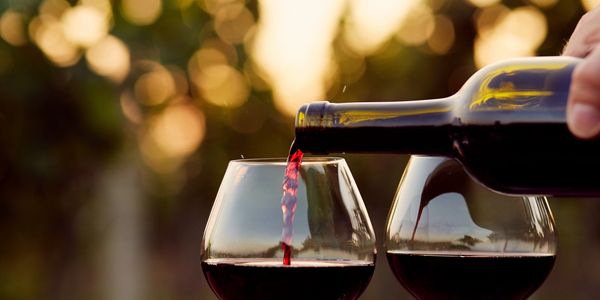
(506, 125)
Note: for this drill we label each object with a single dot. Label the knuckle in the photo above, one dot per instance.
(587, 73)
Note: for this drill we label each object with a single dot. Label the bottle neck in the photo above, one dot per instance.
(410, 127)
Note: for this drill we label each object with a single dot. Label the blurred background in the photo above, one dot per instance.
(118, 119)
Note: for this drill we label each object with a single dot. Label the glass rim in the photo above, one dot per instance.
(275, 161)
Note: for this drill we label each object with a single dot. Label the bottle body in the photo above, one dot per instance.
(507, 126)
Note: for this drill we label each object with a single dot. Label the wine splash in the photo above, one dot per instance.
(289, 201)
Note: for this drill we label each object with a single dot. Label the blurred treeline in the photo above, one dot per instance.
(118, 118)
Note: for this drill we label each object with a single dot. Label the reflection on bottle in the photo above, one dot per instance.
(506, 126)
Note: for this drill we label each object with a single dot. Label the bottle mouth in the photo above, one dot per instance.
(311, 114)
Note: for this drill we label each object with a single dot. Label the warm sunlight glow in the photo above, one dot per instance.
(232, 22)
(141, 12)
(487, 18)
(289, 95)
(54, 8)
(292, 46)
(545, 3)
(253, 75)
(85, 25)
(589, 4)
(213, 6)
(517, 33)
(204, 58)
(442, 37)
(214, 79)
(172, 136)
(418, 26)
(109, 58)
(103, 6)
(155, 87)
(483, 3)
(47, 33)
(221, 85)
(372, 23)
(12, 28)
(178, 130)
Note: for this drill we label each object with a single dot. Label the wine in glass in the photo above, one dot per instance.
(448, 237)
(332, 244)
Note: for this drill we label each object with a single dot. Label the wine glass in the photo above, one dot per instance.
(333, 244)
(449, 237)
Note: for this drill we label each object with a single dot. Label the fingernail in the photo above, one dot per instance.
(584, 120)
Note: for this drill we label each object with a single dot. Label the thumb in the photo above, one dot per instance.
(583, 106)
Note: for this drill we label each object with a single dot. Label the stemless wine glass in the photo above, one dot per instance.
(449, 237)
(333, 244)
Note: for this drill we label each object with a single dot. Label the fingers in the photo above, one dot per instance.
(577, 45)
(583, 109)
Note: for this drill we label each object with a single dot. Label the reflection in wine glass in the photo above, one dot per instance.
(449, 237)
(333, 243)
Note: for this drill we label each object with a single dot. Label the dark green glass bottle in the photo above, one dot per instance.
(507, 126)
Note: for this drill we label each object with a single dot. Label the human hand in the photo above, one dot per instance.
(583, 105)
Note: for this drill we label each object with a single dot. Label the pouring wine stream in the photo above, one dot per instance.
(289, 201)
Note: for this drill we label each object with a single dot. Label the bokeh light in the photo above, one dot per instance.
(53, 8)
(141, 12)
(486, 19)
(256, 79)
(155, 87)
(12, 28)
(213, 6)
(172, 135)
(589, 4)
(221, 85)
(110, 58)
(84, 25)
(232, 22)
(371, 23)
(292, 47)
(206, 57)
(213, 77)
(228, 51)
(178, 130)
(442, 37)
(518, 32)
(483, 3)
(103, 6)
(544, 3)
(47, 33)
(418, 25)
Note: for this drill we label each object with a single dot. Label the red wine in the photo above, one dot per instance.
(289, 201)
(303, 279)
(507, 127)
(470, 275)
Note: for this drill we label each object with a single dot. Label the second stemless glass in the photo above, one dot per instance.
(449, 237)
(333, 241)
